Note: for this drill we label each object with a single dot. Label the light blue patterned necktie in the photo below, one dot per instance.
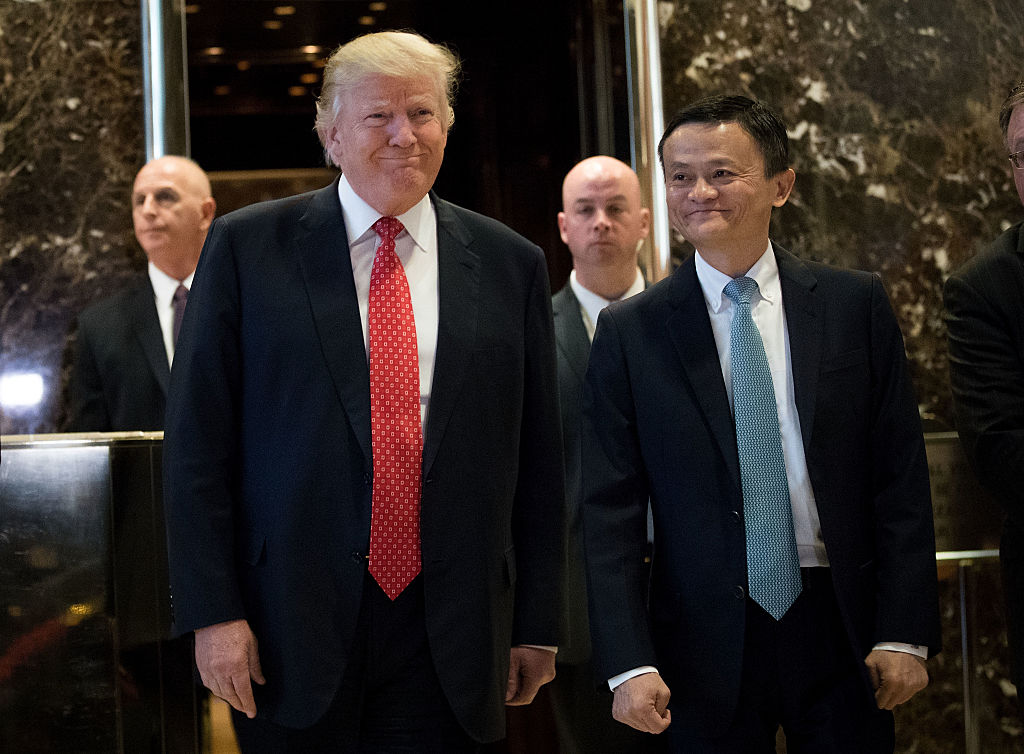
(773, 567)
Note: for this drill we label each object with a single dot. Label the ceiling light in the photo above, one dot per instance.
(243, 65)
(222, 90)
(309, 78)
(296, 91)
(284, 10)
(273, 25)
(312, 49)
(213, 51)
(366, 21)
(378, 7)
(192, 8)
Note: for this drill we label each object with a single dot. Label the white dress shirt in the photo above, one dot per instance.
(592, 303)
(164, 287)
(416, 247)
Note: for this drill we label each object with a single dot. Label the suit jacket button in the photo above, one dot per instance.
(738, 592)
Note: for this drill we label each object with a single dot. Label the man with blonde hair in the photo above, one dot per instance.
(363, 480)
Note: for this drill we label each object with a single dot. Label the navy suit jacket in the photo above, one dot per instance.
(120, 373)
(984, 301)
(657, 424)
(268, 464)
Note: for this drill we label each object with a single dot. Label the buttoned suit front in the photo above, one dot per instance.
(658, 425)
(268, 464)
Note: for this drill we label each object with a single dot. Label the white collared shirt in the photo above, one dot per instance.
(592, 303)
(164, 287)
(416, 247)
(769, 315)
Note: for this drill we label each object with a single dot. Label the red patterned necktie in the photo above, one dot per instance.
(394, 419)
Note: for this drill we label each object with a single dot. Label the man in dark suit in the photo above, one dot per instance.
(603, 222)
(363, 474)
(125, 343)
(823, 626)
(986, 360)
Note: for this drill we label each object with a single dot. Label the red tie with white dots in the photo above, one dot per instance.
(396, 432)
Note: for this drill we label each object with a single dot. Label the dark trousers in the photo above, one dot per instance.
(390, 699)
(800, 673)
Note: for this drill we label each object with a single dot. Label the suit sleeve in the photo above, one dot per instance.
(538, 515)
(904, 532)
(201, 445)
(87, 406)
(614, 509)
(986, 368)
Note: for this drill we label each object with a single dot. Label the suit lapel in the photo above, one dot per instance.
(458, 306)
(146, 325)
(689, 328)
(805, 320)
(570, 332)
(327, 271)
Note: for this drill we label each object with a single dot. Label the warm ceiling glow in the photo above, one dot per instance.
(284, 10)
(192, 8)
(213, 51)
(222, 91)
(296, 91)
(309, 78)
(24, 389)
(272, 25)
(378, 7)
(243, 65)
(312, 49)
(366, 21)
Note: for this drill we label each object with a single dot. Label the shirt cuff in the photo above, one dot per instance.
(917, 650)
(540, 646)
(621, 678)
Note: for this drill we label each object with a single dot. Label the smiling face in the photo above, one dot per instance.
(171, 210)
(389, 139)
(718, 196)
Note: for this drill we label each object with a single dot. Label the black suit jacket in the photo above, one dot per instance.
(985, 316)
(120, 372)
(658, 424)
(573, 352)
(268, 464)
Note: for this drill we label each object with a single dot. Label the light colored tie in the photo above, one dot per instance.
(395, 428)
(773, 566)
(178, 301)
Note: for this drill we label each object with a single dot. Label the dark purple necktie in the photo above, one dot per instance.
(179, 300)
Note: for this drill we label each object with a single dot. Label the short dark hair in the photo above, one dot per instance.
(757, 119)
(1013, 99)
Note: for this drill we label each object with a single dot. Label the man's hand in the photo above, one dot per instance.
(642, 703)
(895, 676)
(529, 669)
(227, 659)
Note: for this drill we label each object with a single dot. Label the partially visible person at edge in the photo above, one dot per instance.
(985, 321)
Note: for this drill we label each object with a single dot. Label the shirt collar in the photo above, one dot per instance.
(592, 303)
(359, 217)
(765, 272)
(164, 285)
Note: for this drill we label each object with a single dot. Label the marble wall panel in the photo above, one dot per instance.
(892, 107)
(71, 139)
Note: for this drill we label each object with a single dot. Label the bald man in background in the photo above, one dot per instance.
(125, 343)
(603, 222)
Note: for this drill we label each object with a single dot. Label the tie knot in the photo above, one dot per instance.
(180, 294)
(741, 290)
(387, 228)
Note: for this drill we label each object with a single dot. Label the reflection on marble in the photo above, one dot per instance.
(893, 110)
(71, 140)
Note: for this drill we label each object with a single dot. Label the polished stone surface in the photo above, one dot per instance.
(71, 139)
